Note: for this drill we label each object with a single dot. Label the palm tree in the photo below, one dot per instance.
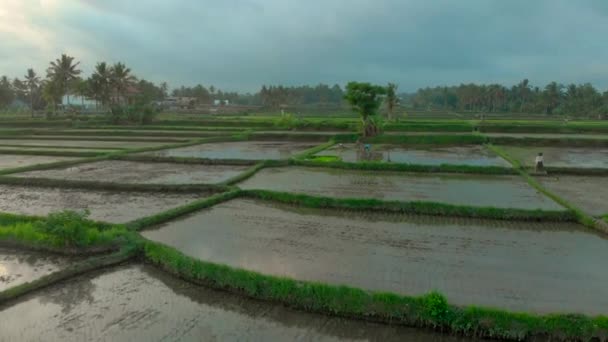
(391, 99)
(33, 82)
(164, 88)
(121, 78)
(100, 83)
(63, 71)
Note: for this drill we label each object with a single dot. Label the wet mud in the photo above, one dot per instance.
(577, 157)
(114, 207)
(142, 173)
(19, 267)
(249, 150)
(9, 161)
(474, 190)
(588, 193)
(139, 303)
(535, 267)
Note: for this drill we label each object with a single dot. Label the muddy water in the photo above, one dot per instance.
(561, 156)
(138, 303)
(54, 149)
(18, 267)
(460, 155)
(148, 173)
(589, 193)
(78, 143)
(549, 135)
(8, 161)
(250, 150)
(115, 207)
(478, 190)
(534, 267)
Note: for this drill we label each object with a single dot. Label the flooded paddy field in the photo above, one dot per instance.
(474, 190)
(249, 150)
(139, 303)
(476, 155)
(19, 267)
(537, 267)
(102, 138)
(142, 173)
(54, 149)
(114, 207)
(77, 143)
(588, 193)
(9, 161)
(579, 157)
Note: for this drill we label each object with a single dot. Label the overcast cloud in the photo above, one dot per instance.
(241, 44)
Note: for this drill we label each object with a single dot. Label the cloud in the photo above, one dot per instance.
(241, 44)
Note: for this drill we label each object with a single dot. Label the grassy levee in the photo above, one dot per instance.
(48, 166)
(56, 153)
(31, 123)
(237, 137)
(110, 186)
(413, 126)
(384, 166)
(433, 139)
(72, 270)
(60, 147)
(184, 160)
(89, 136)
(413, 207)
(244, 175)
(581, 216)
(191, 207)
(543, 127)
(429, 311)
(314, 150)
(291, 136)
(575, 171)
(142, 129)
(567, 142)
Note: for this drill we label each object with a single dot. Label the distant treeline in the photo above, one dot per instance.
(553, 99)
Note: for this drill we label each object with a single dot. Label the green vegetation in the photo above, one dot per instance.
(415, 207)
(314, 150)
(570, 142)
(191, 207)
(319, 161)
(365, 99)
(63, 231)
(324, 159)
(431, 310)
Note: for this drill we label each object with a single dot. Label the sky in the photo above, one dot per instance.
(242, 44)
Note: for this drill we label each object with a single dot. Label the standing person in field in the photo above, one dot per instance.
(539, 162)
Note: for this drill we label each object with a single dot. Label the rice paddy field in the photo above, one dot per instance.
(240, 229)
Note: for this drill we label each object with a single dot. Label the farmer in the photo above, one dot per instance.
(539, 162)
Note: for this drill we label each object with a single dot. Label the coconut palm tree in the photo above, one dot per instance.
(33, 82)
(100, 83)
(63, 71)
(121, 78)
(391, 99)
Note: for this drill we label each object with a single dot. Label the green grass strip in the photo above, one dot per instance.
(384, 166)
(314, 150)
(191, 207)
(581, 217)
(72, 270)
(237, 137)
(245, 175)
(551, 142)
(431, 310)
(183, 160)
(414, 207)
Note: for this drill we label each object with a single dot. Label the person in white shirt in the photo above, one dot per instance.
(539, 163)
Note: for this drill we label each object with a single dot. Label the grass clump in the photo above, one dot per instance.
(414, 207)
(67, 229)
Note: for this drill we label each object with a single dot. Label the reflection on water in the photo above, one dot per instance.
(139, 303)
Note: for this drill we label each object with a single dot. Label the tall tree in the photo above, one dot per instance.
(391, 99)
(6, 92)
(100, 83)
(63, 71)
(33, 83)
(121, 79)
(365, 98)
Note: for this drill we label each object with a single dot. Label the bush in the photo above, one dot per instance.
(435, 307)
(68, 226)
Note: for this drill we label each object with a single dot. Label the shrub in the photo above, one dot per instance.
(435, 307)
(68, 226)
